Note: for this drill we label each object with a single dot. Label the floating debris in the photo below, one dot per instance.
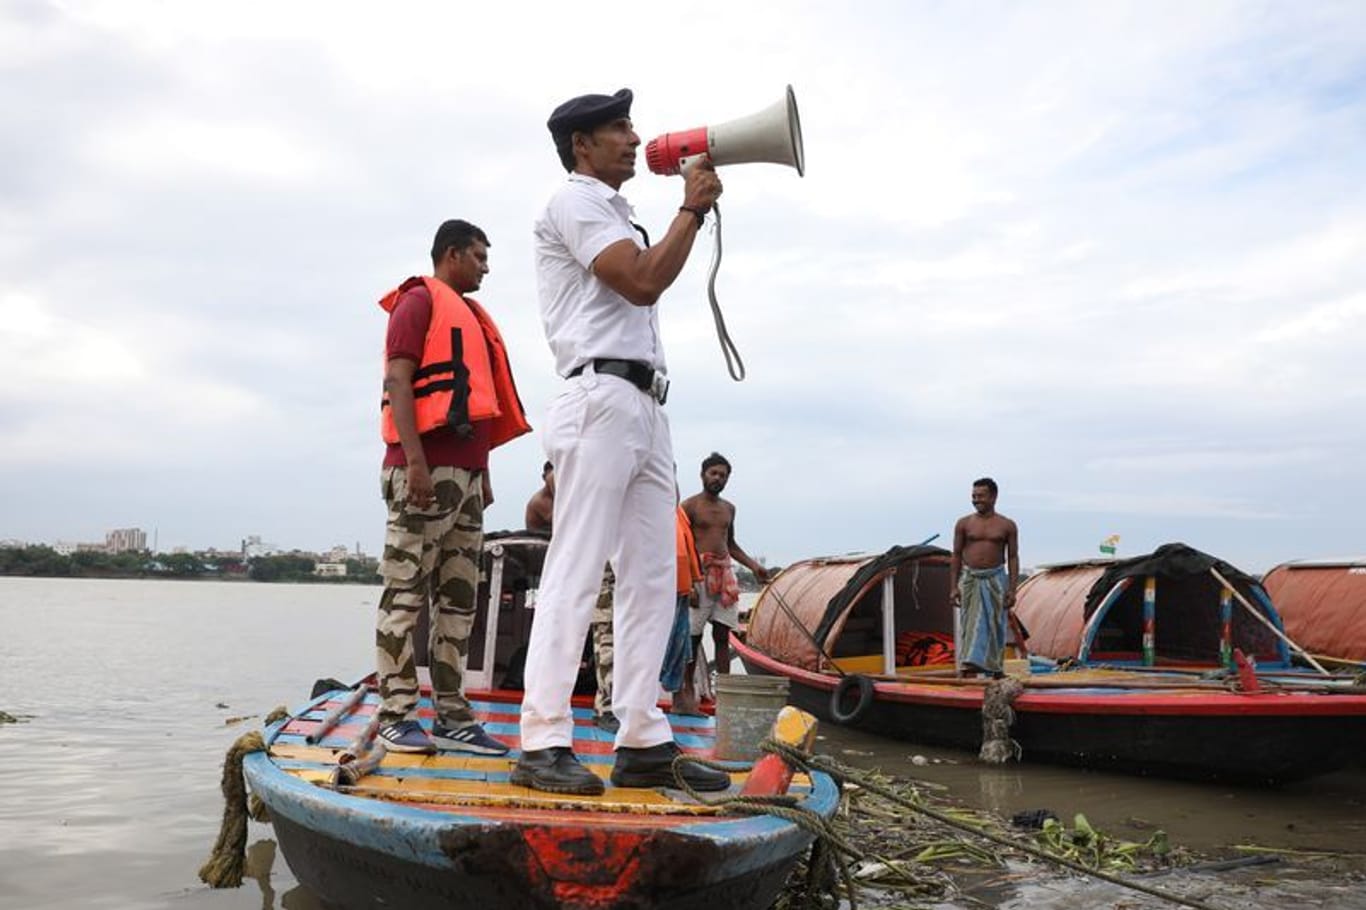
(923, 845)
(1096, 850)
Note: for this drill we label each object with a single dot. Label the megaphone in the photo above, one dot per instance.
(772, 135)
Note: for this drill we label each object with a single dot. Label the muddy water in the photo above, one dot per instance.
(108, 786)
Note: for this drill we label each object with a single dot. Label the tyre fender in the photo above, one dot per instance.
(851, 699)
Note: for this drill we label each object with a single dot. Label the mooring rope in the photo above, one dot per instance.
(827, 870)
(997, 718)
(227, 859)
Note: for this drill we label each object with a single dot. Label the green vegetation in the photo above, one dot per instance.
(44, 562)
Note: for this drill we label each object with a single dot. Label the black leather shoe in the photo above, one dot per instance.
(653, 767)
(556, 770)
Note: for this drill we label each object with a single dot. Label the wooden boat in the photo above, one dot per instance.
(1323, 604)
(366, 829)
(844, 631)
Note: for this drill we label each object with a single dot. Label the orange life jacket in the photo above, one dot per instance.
(689, 568)
(464, 375)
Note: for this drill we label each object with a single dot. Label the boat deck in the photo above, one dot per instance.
(455, 781)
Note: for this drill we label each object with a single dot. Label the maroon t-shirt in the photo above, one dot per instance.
(408, 324)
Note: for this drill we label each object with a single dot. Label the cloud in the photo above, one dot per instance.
(1111, 254)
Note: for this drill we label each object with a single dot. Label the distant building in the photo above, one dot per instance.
(339, 553)
(13, 543)
(121, 540)
(65, 547)
(331, 569)
(253, 546)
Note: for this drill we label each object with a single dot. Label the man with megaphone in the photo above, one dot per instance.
(608, 437)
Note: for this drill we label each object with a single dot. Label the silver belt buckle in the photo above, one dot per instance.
(659, 387)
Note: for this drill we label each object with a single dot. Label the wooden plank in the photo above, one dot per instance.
(488, 793)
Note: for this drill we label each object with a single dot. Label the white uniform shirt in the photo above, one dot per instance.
(583, 317)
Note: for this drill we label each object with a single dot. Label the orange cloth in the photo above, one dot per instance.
(689, 569)
(921, 649)
(721, 583)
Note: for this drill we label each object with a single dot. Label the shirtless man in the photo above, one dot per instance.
(540, 516)
(718, 594)
(540, 509)
(983, 541)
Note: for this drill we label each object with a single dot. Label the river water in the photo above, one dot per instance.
(126, 689)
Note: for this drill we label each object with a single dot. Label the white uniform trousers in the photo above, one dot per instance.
(614, 500)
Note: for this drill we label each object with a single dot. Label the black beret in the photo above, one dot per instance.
(588, 111)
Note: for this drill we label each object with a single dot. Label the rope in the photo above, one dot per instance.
(256, 808)
(827, 871)
(734, 365)
(223, 868)
(997, 718)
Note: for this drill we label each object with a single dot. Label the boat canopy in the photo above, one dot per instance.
(1323, 605)
(1167, 607)
(835, 605)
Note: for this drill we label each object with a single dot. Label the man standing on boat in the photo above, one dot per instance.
(448, 400)
(540, 508)
(608, 437)
(718, 594)
(986, 563)
(540, 516)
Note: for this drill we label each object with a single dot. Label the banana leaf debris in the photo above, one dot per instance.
(944, 854)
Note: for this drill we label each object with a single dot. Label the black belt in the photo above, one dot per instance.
(640, 375)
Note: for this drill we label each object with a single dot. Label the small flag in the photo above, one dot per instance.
(1109, 545)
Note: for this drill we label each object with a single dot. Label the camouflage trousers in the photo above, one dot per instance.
(602, 642)
(431, 562)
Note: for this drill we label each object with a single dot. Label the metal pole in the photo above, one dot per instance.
(889, 623)
(491, 613)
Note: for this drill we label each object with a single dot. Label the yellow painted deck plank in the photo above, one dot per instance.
(494, 793)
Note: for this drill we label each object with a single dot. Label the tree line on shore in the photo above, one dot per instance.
(43, 561)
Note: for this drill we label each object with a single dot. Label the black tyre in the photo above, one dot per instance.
(851, 699)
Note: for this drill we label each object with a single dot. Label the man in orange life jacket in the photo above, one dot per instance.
(448, 399)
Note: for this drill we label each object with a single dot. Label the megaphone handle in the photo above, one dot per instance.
(734, 365)
(688, 162)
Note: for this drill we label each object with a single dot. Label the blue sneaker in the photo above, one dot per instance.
(405, 736)
(469, 738)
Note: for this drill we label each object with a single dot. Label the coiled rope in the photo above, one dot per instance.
(227, 859)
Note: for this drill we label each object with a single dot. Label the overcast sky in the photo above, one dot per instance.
(1113, 255)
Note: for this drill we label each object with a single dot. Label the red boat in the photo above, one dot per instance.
(1323, 604)
(848, 633)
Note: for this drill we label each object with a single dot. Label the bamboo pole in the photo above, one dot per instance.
(1060, 682)
(334, 716)
(1288, 677)
(1266, 622)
